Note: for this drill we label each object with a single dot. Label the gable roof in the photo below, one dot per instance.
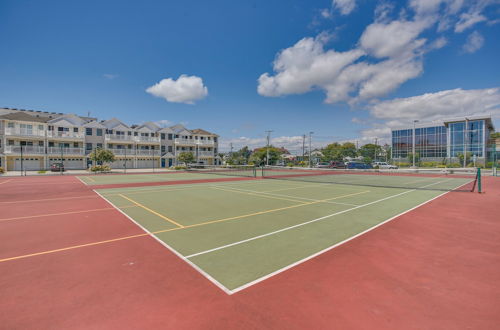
(71, 119)
(21, 116)
(178, 128)
(201, 131)
(152, 127)
(94, 124)
(113, 122)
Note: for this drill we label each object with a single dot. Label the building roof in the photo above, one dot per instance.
(201, 131)
(21, 116)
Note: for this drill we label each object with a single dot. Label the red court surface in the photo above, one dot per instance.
(436, 267)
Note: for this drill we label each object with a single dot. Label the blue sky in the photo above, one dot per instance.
(344, 69)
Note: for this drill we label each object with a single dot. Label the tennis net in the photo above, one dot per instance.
(230, 170)
(445, 179)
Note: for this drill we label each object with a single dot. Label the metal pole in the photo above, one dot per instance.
(465, 141)
(413, 144)
(310, 144)
(153, 159)
(126, 146)
(376, 141)
(62, 161)
(268, 142)
(22, 160)
(303, 147)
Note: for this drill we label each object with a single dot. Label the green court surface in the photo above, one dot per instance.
(238, 233)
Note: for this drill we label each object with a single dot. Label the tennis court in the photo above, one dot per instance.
(240, 233)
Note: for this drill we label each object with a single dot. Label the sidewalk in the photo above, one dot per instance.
(79, 172)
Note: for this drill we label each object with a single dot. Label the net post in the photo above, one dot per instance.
(479, 186)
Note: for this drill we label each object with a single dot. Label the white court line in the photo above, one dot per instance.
(81, 180)
(299, 225)
(178, 254)
(289, 196)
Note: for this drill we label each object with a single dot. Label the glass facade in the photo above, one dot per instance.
(430, 142)
(470, 140)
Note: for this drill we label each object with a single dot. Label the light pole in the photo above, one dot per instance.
(413, 144)
(310, 142)
(268, 142)
(466, 136)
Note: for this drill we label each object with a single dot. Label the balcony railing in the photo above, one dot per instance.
(191, 142)
(186, 142)
(26, 150)
(119, 137)
(64, 135)
(65, 151)
(152, 139)
(205, 142)
(122, 152)
(205, 153)
(24, 132)
(142, 152)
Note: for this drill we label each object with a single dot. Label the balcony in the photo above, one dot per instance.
(122, 152)
(143, 152)
(185, 142)
(205, 153)
(65, 151)
(205, 142)
(64, 135)
(147, 139)
(24, 132)
(114, 137)
(27, 150)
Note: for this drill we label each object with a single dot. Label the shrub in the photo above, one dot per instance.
(2, 170)
(289, 164)
(179, 167)
(401, 164)
(430, 164)
(454, 165)
(42, 172)
(100, 168)
(441, 166)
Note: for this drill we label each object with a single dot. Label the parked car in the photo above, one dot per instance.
(358, 165)
(323, 165)
(57, 167)
(384, 165)
(337, 165)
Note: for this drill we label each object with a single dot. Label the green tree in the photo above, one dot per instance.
(101, 156)
(332, 152)
(186, 158)
(461, 157)
(349, 150)
(259, 155)
(370, 150)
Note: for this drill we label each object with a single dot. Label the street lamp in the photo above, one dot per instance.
(413, 144)
(310, 139)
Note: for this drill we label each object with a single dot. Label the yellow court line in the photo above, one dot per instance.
(167, 230)
(152, 211)
(6, 181)
(62, 213)
(272, 210)
(258, 195)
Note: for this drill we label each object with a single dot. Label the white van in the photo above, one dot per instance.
(384, 165)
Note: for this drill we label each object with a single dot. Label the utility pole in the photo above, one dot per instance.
(268, 143)
(413, 144)
(303, 147)
(310, 144)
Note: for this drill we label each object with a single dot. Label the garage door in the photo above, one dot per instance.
(145, 163)
(29, 164)
(120, 163)
(74, 164)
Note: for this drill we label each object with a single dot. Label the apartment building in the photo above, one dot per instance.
(33, 140)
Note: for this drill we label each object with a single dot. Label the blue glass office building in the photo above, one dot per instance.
(444, 141)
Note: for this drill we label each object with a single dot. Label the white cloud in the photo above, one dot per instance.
(110, 76)
(325, 13)
(431, 107)
(344, 6)
(163, 123)
(186, 89)
(474, 42)
(467, 20)
(292, 143)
